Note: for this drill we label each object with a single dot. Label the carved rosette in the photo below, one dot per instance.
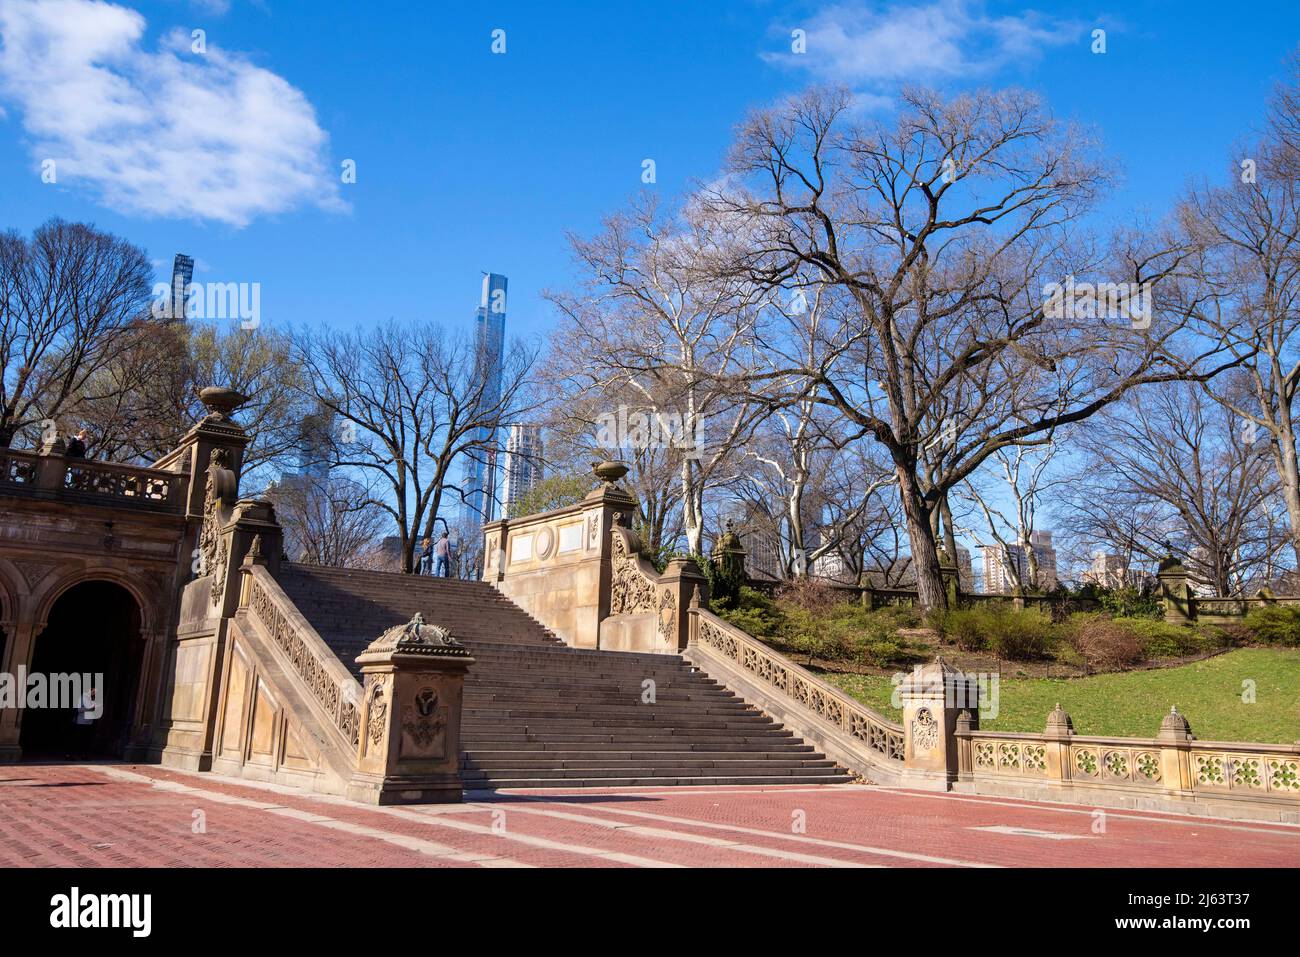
(925, 731)
(631, 592)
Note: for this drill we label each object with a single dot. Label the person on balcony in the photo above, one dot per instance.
(425, 566)
(77, 445)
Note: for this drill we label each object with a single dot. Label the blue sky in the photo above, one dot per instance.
(469, 160)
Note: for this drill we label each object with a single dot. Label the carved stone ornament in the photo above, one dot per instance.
(631, 592)
(925, 731)
(378, 714)
(417, 637)
(667, 615)
(424, 721)
(34, 572)
(220, 486)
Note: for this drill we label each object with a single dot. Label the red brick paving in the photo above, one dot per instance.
(125, 815)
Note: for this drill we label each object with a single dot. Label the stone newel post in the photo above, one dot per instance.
(1175, 738)
(933, 698)
(1175, 591)
(409, 750)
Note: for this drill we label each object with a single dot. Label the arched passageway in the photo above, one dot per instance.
(94, 633)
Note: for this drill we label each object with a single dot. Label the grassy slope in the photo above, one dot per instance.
(1130, 704)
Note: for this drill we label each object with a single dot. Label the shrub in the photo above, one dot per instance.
(1104, 642)
(878, 653)
(967, 628)
(810, 594)
(1275, 625)
(1020, 635)
(1163, 640)
(1000, 629)
(1130, 602)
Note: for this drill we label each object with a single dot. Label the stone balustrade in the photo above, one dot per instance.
(52, 475)
(1171, 771)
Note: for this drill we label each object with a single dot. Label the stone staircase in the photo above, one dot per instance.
(541, 714)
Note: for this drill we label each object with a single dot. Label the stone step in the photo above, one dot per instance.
(636, 760)
(661, 745)
(538, 713)
(524, 783)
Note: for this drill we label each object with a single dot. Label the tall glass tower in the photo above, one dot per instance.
(489, 343)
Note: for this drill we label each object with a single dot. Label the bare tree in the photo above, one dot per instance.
(1247, 269)
(1024, 481)
(68, 296)
(649, 328)
(408, 402)
(328, 520)
(1170, 468)
(942, 231)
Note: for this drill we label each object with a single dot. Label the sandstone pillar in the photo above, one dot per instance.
(1175, 739)
(1175, 591)
(681, 582)
(409, 750)
(933, 697)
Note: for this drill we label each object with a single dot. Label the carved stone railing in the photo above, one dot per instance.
(789, 689)
(18, 468)
(56, 476)
(1172, 767)
(137, 485)
(332, 686)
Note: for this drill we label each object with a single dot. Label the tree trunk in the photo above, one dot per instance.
(1284, 454)
(930, 594)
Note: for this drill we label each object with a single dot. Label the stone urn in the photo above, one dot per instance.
(220, 401)
(609, 471)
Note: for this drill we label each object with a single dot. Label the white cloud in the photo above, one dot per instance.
(164, 132)
(877, 46)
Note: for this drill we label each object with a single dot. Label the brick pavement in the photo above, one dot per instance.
(144, 815)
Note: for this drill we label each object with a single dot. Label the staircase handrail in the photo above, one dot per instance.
(333, 688)
(798, 686)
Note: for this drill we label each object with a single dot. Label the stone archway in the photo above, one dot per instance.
(92, 630)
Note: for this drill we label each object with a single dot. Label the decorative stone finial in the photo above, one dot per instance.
(255, 556)
(1175, 725)
(417, 637)
(54, 444)
(1059, 722)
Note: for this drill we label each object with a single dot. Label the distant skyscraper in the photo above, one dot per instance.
(314, 441)
(489, 345)
(998, 577)
(523, 465)
(182, 276)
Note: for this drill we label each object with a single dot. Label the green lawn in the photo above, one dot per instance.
(1131, 704)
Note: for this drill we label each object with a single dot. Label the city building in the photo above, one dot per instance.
(489, 344)
(1107, 570)
(522, 468)
(999, 576)
(965, 569)
(182, 276)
